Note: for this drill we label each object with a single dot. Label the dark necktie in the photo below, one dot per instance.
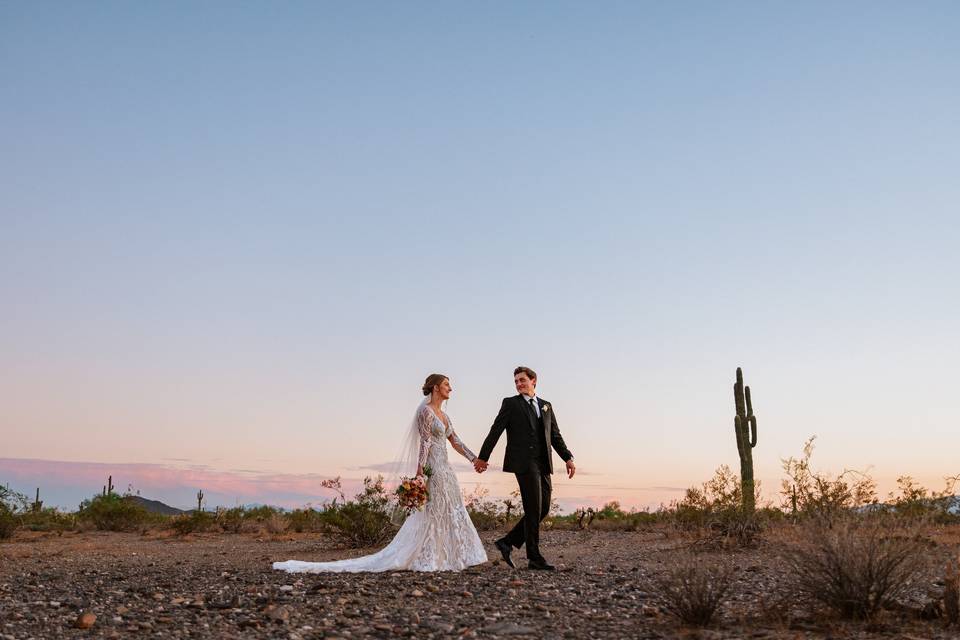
(533, 407)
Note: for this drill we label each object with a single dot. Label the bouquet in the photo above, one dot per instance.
(412, 493)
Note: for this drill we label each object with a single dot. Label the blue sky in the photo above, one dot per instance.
(241, 234)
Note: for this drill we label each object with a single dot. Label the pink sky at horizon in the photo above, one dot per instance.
(64, 484)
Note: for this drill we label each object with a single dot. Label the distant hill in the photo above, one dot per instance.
(155, 506)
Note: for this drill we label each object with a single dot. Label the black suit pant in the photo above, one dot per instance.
(535, 492)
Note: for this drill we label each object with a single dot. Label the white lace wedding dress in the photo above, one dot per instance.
(441, 537)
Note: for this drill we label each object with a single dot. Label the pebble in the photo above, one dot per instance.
(85, 620)
(278, 613)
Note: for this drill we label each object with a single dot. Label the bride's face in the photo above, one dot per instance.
(444, 390)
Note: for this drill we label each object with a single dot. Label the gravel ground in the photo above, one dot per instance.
(221, 585)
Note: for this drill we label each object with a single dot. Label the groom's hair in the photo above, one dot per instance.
(527, 370)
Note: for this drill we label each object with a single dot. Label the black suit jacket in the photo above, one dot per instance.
(518, 419)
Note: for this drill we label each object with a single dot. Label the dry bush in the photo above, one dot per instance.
(951, 594)
(693, 588)
(277, 523)
(307, 519)
(12, 505)
(113, 512)
(8, 522)
(806, 492)
(916, 501)
(713, 513)
(364, 521)
(856, 565)
(485, 514)
(231, 520)
(49, 519)
(194, 522)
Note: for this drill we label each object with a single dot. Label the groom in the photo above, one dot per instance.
(531, 427)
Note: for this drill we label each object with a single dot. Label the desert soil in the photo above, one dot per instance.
(222, 586)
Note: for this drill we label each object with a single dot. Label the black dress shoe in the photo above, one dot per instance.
(541, 565)
(505, 549)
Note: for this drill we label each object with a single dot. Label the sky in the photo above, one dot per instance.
(236, 237)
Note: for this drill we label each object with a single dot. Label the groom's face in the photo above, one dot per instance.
(524, 384)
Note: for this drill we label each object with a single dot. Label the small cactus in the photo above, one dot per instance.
(37, 504)
(745, 425)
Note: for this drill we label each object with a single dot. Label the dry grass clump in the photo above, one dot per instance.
(951, 594)
(277, 523)
(713, 513)
(194, 522)
(856, 565)
(693, 588)
(8, 522)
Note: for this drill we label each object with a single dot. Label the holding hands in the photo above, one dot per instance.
(480, 465)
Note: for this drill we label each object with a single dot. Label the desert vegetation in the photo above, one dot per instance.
(845, 553)
(831, 550)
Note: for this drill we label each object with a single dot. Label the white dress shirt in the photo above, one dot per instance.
(536, 405)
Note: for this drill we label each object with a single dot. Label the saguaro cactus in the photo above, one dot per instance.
(745, 425)
(200, 500)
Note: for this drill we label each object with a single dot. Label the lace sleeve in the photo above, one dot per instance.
(423, 426)
(461, 448)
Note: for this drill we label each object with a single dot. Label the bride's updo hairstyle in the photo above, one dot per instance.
(432, 380)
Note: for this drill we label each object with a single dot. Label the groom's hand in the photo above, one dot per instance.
(480, 465)
(571, 468)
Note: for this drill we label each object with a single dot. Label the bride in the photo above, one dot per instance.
(441, 537)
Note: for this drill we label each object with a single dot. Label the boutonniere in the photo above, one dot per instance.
(546, 407)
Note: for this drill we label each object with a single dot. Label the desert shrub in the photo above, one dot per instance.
(693, 589)
(113, 512)
(255, 519)
(308, 519)
(855, 565)
(713, 512)
(364, 521)
(951, 594)
(610, 517)
(915, 501)
(12, 505)
(807, 493)
(231, 520)
(261, 513)
(486, 514)
(580, 519)
(277, 523)
(8, 521)
(194, 522)
(49, 519)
